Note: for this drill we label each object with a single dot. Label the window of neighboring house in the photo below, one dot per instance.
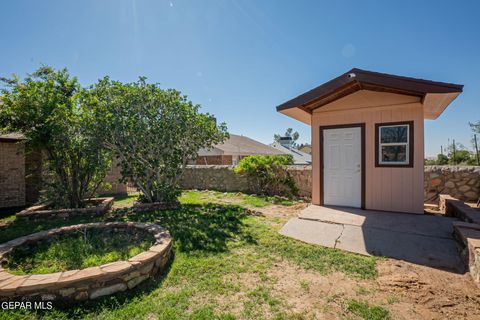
(394, 145)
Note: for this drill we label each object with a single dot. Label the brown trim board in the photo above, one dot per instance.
(358, 79)
(362, 138)
(411, 139)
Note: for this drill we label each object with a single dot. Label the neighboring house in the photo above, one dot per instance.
(286, 146)
(367, 138)
(232, 150)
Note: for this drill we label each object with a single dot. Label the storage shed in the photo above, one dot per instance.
(368, 137)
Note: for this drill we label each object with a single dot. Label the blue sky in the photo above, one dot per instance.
(239, 59)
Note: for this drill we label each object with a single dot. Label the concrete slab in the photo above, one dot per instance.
(425, 240)
(401, 222)
(323, 234)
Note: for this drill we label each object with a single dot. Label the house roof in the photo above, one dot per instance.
(299, 157)
(239, 146)
(358, 79)
(11, 137)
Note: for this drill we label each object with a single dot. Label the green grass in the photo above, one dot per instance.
(78, 250)
(216, 245)
(124, 200)
(203, 197)
(364, 310)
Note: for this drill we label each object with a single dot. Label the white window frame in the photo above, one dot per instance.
(406, 144)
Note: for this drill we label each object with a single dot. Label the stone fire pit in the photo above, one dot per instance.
(89, 283)
(102, 205)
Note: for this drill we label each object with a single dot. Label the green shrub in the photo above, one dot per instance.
(268, 174)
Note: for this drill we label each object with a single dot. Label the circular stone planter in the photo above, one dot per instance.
(89, 283)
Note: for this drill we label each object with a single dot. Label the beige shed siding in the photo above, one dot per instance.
(389, 189)
(12, 174)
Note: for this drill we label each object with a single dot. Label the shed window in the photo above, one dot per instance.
(393, 144)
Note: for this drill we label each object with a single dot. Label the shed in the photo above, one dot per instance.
(368, 137)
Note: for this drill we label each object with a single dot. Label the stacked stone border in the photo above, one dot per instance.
(42, 211)
(89, 283)
(141, 206)
(466, 231)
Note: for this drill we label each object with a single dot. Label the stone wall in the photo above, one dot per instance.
(222, 178)
(213, 177)
(12, 174)
(461, 182)
(302, 175)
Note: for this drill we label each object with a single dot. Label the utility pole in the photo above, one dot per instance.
(441, 149)
(476, 149)
(454, 162)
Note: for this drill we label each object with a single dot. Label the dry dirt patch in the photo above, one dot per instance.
(407, 290)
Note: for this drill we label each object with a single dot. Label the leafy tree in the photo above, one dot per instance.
(458, 155)
(268, 174)
(475, 126)
(153, 133)
(46, 108)
(441, 159)
(288, 133)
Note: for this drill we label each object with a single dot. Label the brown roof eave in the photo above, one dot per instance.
(359, 79)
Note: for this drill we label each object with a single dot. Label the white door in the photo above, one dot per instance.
(342, 167)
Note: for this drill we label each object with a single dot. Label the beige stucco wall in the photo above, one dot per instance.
(389, 189)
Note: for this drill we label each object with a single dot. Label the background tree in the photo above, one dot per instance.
(153, 133)
(459, 155)
(288, 133)
(441, 159)
(46, 108)
(475, 126)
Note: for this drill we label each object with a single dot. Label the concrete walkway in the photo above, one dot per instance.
(421, 239)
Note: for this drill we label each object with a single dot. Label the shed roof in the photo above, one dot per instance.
(239, 146)
(435, 96)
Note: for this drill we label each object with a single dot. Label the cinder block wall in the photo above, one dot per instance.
(12, 174)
